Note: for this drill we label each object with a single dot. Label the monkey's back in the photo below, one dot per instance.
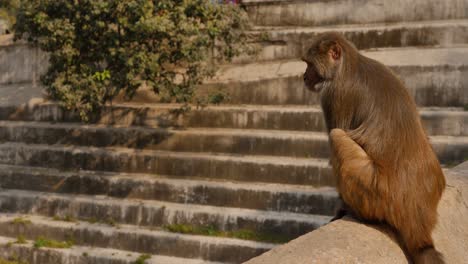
(392, 134)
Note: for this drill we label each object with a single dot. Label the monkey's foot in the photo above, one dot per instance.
(339, 214)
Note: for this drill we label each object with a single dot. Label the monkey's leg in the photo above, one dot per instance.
(357, 176)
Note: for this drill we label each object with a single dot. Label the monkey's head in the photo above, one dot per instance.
(323, 60)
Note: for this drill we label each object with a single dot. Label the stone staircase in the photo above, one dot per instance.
(252, 172)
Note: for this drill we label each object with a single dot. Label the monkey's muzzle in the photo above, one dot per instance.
(313, 81)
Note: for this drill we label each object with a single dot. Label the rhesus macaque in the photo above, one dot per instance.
(385, 167)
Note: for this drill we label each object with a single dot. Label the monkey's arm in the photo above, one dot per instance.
(357, 174)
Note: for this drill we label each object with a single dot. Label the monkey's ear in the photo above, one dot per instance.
(335, 51)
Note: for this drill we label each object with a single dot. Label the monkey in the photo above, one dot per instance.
(386, 170)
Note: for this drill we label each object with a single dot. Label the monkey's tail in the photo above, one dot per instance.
(428, 255)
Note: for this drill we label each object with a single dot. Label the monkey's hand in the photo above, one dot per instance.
(355, 171)
(347, 151)
(337, 132)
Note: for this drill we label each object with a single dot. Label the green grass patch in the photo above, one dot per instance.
(50, 243)
(20, 221)
(12, 260)
(240, 234)
(20, 240)
(142, 259)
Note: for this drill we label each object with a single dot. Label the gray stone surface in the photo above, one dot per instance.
(20, 63)
(447, 121)
(81, 255)
(333, 12)
(20, 94)
(347, 241)
(308, 171)
(288, 42)
(262, 196)
(157, 214)
(214, 140)
(133, 238)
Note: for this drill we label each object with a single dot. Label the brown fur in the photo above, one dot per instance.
(385, 166)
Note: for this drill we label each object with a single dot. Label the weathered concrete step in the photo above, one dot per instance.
(434, 77)
(27, 253)
(438, 121)
(132, 238)
(292, 42)
(450, 150)
(165, 115)
(156, 214)
(177, 164)
(445, 121)
(234, 141)
(260, 196)
(238, 141)
(332, 12)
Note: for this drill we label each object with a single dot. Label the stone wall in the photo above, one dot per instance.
(20, 63)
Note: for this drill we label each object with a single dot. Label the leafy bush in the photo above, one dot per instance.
(100, 48)
(8, 9)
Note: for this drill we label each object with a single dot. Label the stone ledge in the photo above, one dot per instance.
(348, 241)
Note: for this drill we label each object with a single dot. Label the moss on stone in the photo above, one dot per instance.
(20, 221)
(142, 259)
(13, 261)
(240, 234)
(51, 243)
(20, 240)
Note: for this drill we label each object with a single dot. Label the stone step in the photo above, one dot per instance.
(271, 169)
(238, 141)
(156, 214)
(27, 253)
(445, 121)
(259, 196)
(234, 141)
(134, 239)
(293, 42)
(332, 12)
(437, 121)
(450, 150)
(434, 77)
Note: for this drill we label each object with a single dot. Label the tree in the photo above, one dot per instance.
(100, 48)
